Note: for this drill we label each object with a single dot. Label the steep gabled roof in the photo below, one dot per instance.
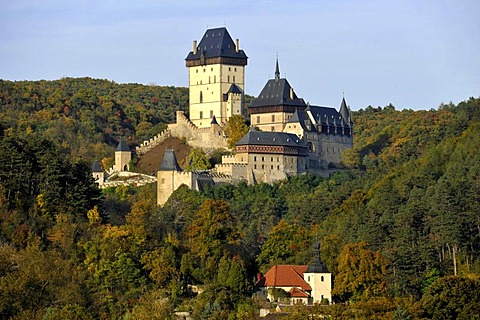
(169, 162)
(275, 93)
(96, 167)
(266, 138)
(301, 117)
(326, 115)
(216, 42)
(285, 276)
(123, 146)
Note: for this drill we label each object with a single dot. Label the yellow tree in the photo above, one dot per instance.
(235, 130)
(361, 273)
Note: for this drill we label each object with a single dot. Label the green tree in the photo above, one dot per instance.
(452, 297)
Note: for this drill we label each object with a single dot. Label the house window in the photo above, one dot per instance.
(308, 279)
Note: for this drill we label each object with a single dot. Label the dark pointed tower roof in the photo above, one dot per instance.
(214, 120)
(277, 71)
(277, 92)
(344, 111)
(217, 43)
(96, 167)
(316, 266)
(169, 162)
(123, 146)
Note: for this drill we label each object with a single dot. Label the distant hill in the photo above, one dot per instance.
(88, 116)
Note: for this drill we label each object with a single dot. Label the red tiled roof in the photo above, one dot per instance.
(297, 293)
(285, 276)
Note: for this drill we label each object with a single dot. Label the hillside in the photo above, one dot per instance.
(150, 162)
(394, 228)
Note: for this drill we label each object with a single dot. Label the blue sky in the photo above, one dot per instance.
(414, 54)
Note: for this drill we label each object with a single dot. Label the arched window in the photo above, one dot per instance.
(311, 147)
(201, 97)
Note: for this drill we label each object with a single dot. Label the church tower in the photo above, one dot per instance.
(123, 155)
(318, 277)
(216, 69)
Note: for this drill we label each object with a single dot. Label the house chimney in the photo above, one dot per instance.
(237, 45)
(194, 46)
(291, 93)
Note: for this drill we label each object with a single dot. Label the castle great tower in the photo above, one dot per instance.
(216, 69)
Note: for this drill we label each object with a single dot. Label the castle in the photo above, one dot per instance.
(287, 137)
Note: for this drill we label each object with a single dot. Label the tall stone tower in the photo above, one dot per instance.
(216, 69)
(318, 277)
(123, 155)
(170, 176)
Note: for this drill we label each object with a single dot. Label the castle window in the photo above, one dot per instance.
(211, 69)
(233, 79)
(308, 279)
(272, 129)
(201, 114)
(271, 167)
(271, 159)
(254, 166)
(263, 160)
(263, 167)
(209, 81)
(203, 69)
(211, 113)
(258, 119)
(196, 70)
(278, 159)
(228, 78)
(321, 279)
(214, 79)
(163, 181)
(235, 69)
(278, 167)
(201, 101)
(229, 69)
(273, 118)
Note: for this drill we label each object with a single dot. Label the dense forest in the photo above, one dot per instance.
(399, 228)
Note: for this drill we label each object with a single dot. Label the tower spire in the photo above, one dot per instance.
(277, 70)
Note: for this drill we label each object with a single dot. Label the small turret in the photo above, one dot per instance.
(123, 156)
(344, 111)
(98, 173)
